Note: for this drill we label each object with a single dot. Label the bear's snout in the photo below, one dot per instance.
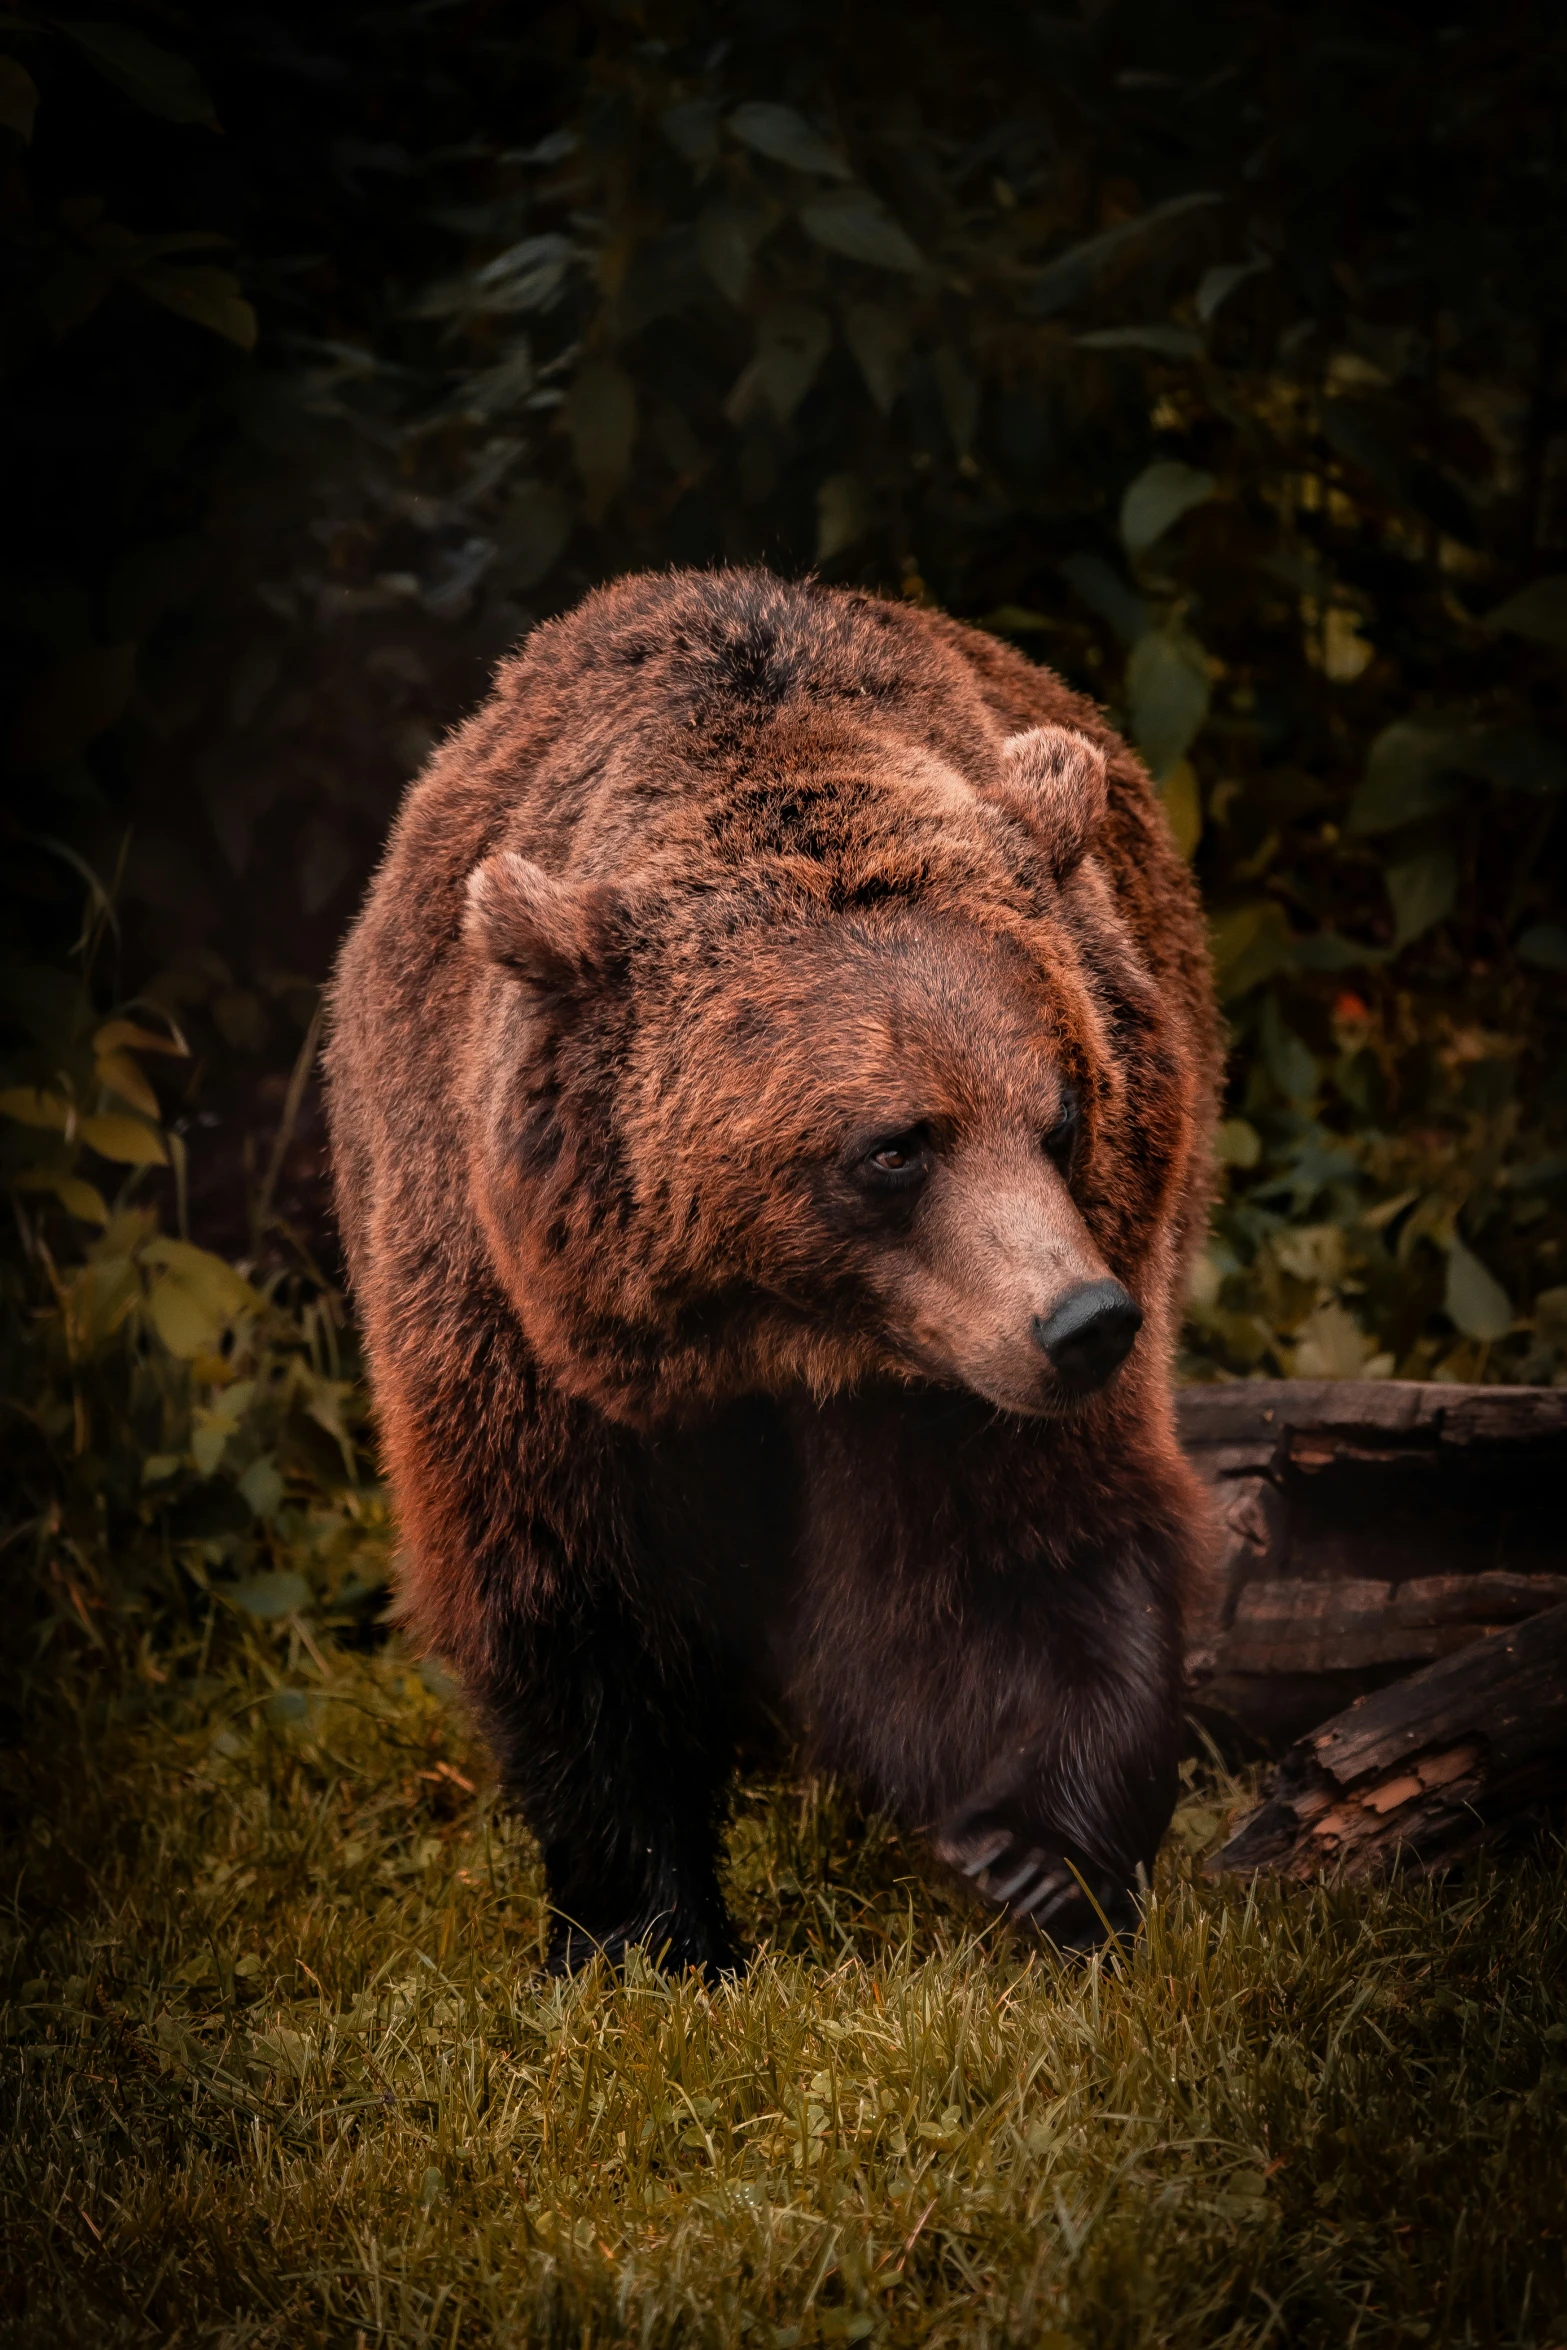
(1089, 1333)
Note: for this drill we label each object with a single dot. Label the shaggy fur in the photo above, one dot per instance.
(772, 1003)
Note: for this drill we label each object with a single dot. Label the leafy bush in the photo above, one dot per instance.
(178, 1430)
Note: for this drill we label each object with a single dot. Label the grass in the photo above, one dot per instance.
(280, 2069)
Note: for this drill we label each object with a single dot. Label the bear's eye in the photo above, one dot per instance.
(898, 1162)
(1061, 1140)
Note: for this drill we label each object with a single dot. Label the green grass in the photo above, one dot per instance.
(280, 2069)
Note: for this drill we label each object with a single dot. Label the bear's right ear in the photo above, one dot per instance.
(549, 932)
(1055, 780)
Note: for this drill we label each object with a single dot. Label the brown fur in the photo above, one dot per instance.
(684, 1410)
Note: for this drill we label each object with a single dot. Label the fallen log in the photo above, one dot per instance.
(1419, 1774)
(1366, 1528)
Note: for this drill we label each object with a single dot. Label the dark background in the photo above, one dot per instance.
(1215, 356)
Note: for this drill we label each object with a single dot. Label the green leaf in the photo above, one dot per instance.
(1167, 687)
(1067, 277)
(1106, 592)
(1182, 797)
(200, 1266)
(30, 1107)
(1538, 612)
(879, 340)
(1249, 944)
(1475, 1300)
(1422, 890)
(1329, 950)
(270, 1596)
(1550, 1317)
(185, 1328)
(526, 276)
(78, 1197)
(601, 416)
(692, 130)
(1215, 286)
(262, 1486)
(18, 99)
(536, 526)
(1237, 1143)
(1332, 1345)
(194, 1297)
(122, 1076)
(207, 297)
(843, 514)
(727, 237)
(118, 1036)
(666, 276)
(1019, 620)
(1545, 946)
(1289, 1059)
(1407, 774)
(792, 340)
(155, 78)
(1170, 342)
(210, 1433)
(857, 224)
(1412, 765)
(786, 137)
(130, 1142)
(1160, 495)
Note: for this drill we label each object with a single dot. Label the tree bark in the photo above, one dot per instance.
(1366, 1528)
(1422, 1772)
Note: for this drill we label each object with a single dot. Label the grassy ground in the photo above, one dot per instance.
(280, 2069)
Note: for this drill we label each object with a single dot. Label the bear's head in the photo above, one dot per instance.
(825, 1111)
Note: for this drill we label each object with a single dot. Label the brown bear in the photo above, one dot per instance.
(770, 1087)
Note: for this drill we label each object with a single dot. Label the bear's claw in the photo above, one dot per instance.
(1027, 1880)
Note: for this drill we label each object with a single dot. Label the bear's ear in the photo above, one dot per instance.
(1055, 780)
(549, 932)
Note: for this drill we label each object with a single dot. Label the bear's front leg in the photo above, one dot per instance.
(1063, 1823)
(1063, 1828)
(990, 1644)
(529, 1562)
(617, 1750)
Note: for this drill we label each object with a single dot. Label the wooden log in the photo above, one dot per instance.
(1366, 1528)
(1420, 1773)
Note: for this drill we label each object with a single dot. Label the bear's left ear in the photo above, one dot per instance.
(1055, 781)
(551, 933)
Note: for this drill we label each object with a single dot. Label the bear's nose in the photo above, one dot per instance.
(1089, 1333)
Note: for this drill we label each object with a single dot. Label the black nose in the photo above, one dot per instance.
(1090, 1333)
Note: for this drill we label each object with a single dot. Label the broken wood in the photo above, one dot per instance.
(1420, 1773)
(1366, 1528)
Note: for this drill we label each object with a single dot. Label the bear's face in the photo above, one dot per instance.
(966, 1109)
(884, 1128)
(728, 1145)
